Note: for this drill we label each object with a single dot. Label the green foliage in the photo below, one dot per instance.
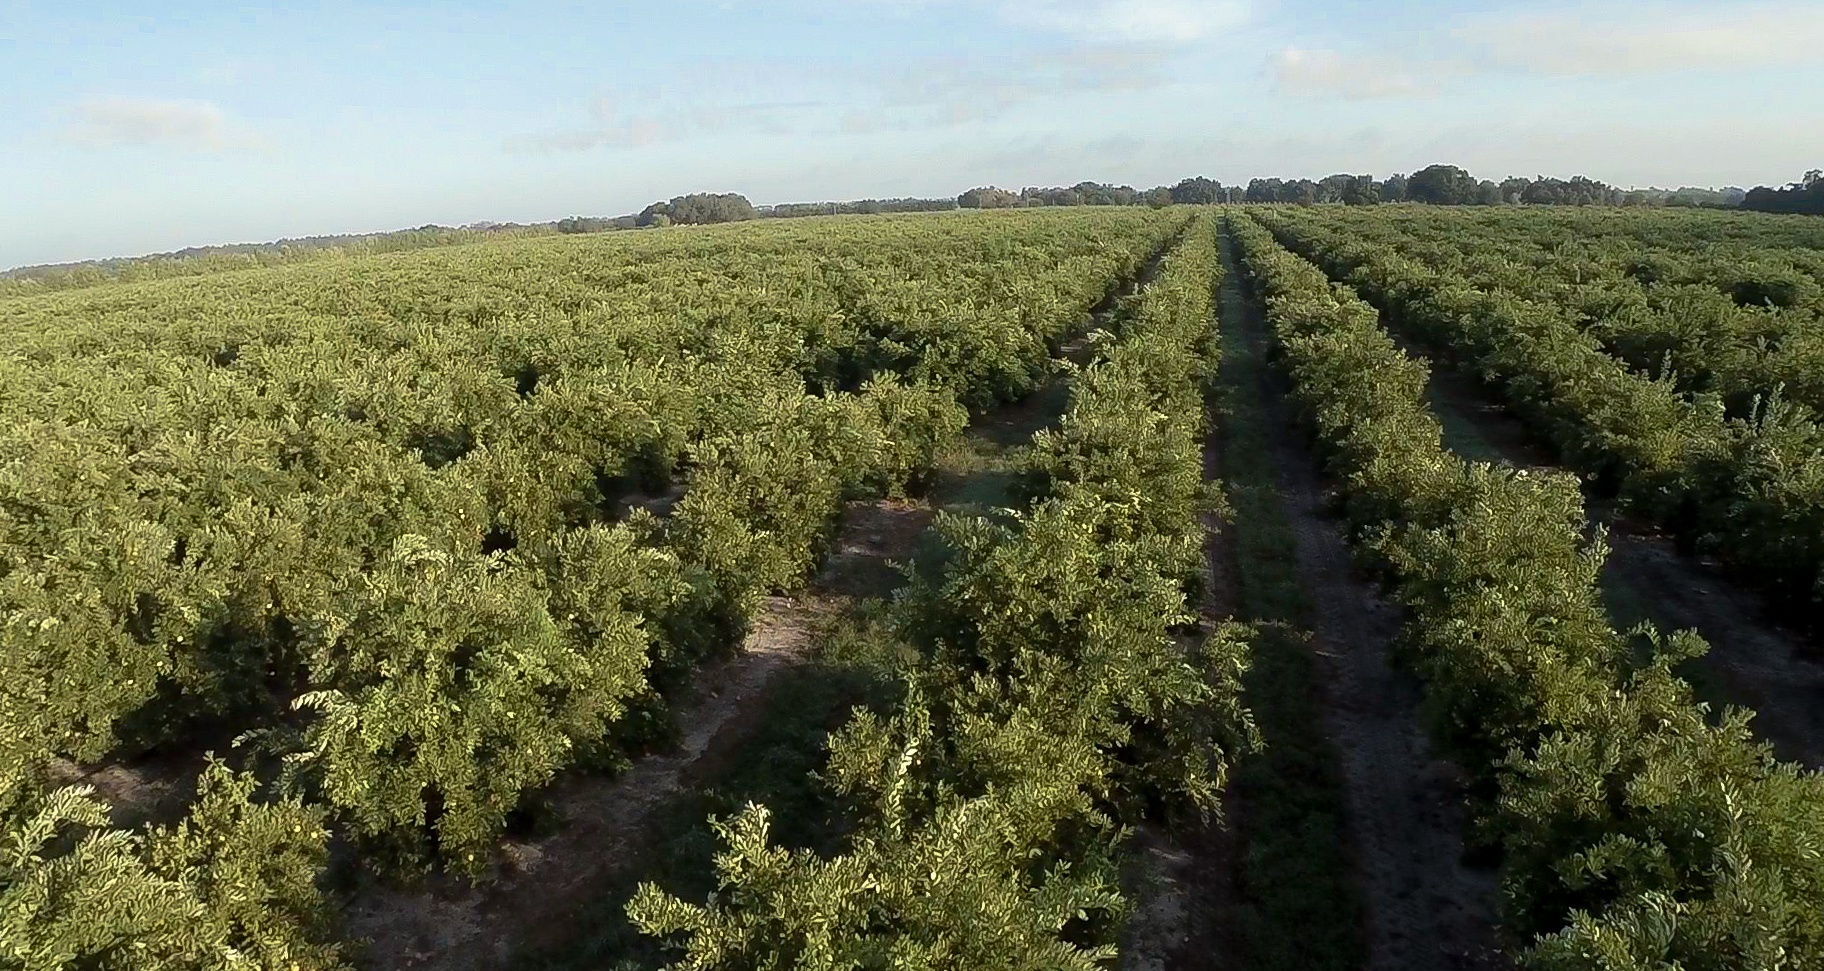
(1058, 689)
(1670, 395)
(1442, 185)
(698, 209)
(228, 888)
(1668, 840)
(954, 896)
(1133, 435)
(987, 197)
(916, 422)
(1635, 833)
(1803, 196)
(461, 689)
(429, 527)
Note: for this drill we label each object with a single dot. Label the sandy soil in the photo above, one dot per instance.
(157, 789)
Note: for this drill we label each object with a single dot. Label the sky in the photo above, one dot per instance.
(129, 128)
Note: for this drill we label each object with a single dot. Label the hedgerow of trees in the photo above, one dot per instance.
(1444, 185)
(1742, 479)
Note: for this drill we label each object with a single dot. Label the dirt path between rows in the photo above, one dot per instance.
(1426, 910)
(1181, 880)
(1176, 924)
(1177, 876)
(1753, 662)
(449, 925)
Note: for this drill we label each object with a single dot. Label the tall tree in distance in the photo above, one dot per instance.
(1352, 190)
(1197, 191)
(1442, 185)
(698, 209)
(987, 197)
(1360, 190)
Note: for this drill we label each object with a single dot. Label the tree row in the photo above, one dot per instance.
(1635, 828)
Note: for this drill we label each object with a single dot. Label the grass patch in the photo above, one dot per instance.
(1461, 433)
(1300, 909)
(982, 471)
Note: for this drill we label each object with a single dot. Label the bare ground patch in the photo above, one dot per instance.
(1397, 806)
(876, 538)
(1754, 663)
(1169, 921)
(1426, 909)
(155, 789)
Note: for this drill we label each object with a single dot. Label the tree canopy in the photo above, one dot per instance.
(987, 197)
(1805, 195)
(1442, 185)
(700, 208)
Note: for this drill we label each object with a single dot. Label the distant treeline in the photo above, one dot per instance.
(864, 207)
(704, 208)
(1435, 184)
(1805, 195)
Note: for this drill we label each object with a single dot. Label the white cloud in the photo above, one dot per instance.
(918, 94)
(629, 133)
(115, 122)
(1129, 21)
(610, 126)
(1305, 73)
(978, 88)
(1651, 42)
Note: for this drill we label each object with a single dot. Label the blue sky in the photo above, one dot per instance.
(131, 128)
